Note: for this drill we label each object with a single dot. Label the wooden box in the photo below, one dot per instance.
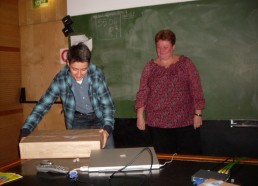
(60, 144)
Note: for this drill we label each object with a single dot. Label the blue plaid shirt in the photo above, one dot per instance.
(61, 86)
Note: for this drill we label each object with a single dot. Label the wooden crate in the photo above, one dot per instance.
(60, 144)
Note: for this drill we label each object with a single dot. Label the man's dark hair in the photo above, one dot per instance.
(79, 53)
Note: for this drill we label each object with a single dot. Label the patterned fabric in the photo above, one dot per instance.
(170, 95)
(61, 86)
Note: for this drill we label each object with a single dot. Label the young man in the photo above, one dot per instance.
(85, 97)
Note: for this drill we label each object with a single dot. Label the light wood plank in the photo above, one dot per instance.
(60, 144)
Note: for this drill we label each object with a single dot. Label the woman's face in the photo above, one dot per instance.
(78, 70)
(164, 49)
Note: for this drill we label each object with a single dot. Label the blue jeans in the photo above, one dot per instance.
(90, 121)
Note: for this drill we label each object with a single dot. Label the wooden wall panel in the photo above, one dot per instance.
(10, 76)
(29, 15)
(9, 30)
(40, 48)
(9, 137)
(41, 41)
(10, 82)
(30, 43)
(9, 12)
(53, 120)
(9, 36)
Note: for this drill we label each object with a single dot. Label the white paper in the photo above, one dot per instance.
(82, 38)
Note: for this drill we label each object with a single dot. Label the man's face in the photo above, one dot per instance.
(78, 70)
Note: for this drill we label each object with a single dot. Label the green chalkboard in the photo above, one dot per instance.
(220, 36)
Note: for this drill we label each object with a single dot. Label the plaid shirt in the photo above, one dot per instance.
(61, 86)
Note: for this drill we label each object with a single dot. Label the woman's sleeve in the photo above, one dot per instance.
(196, 87)
(142, 93)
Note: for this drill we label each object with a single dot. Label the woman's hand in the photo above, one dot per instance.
(140, 119)
(140, 123)
(197, 121)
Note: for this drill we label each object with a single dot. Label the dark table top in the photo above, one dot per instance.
(177, 173)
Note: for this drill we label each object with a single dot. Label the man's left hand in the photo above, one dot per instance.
(104, 137)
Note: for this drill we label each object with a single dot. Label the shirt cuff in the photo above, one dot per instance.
(108, 129)
(25, 132)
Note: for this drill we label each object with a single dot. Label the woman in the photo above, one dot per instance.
(170, 97)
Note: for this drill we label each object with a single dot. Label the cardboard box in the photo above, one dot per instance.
(60, 144)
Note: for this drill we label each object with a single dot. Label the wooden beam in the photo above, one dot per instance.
(9, 49)
(201, 158)
(9, 112)
(10, 165)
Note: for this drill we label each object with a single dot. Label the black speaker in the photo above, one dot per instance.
(67, 20)
(22, 95)
(67, 30)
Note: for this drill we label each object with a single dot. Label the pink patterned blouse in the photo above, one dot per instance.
(170, 95)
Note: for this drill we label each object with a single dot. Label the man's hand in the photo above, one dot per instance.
(22, 138)
(103, 137)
